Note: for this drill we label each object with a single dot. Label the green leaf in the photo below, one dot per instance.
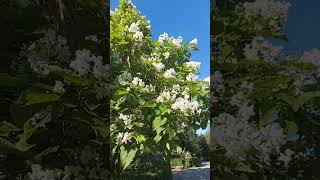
(6, 128)
(158, 122)
(31, 98)
(138, 124)
(291, 128)
(157, 138)
(121, 92)
(244, 168)
(168, 146)
(23, 146)
(103, 131)
(46, 152)
(6, 146)
(296, 103)
(269, 116)
(304, 98)
(9, 81)
(138, 137)
(150, 105)
(73, 79)
(127, 157)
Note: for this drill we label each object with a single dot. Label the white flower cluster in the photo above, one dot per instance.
(167, 95)
(312, 56)
(159, 66)
(58, 87)
(166, 55)
(237, 135)
(217, 87)
(259, 48)
(124, 138)
(124, 78)
(143, 88)
(301, 80)
(194, 42)
(86, 170)
(40, 58)
(39, 174)
(269, 9)
(137, 34)
(138, 82)
(191, 77)
(286, 157)
(185, 105)
(170, 73)
(82, 64)
(193, 65)
(164, 38)
(127, 119)
(56, 47)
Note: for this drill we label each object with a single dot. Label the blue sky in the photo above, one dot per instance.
(187, 18)
(302, 28)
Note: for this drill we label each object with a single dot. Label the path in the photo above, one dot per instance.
(194, 173)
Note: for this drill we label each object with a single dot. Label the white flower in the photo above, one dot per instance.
(170, 73)
(81, 65)
(127, 120)
(191, 77)
(193, 65)
(207, 79)
(148, 88)
(268, 9)
(286, 157)
(195, 105)
(185, 105)
(58, 87)
(138, 82)
(39, 174)
(166, 55)
(134, 27)
(177, 41)
(138, 36)
(167, 95)
(268, 52)
(194, 42)
(312, 56)
(179, 150)
(176, 87)
(126, 138)
(99, 70)
(124, 78)
(163, 37)
(113, 127)
(239, 99)
(158, 66)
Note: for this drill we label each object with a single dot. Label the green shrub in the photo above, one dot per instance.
(196, 162)
(147, 166)
(177, 162)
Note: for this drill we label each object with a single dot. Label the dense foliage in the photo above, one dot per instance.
(155, 91)
(53, 94)
(265, 104)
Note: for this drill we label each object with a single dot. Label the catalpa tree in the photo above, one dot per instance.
(155, 90)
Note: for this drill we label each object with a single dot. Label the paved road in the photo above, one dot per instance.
(194, 173)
